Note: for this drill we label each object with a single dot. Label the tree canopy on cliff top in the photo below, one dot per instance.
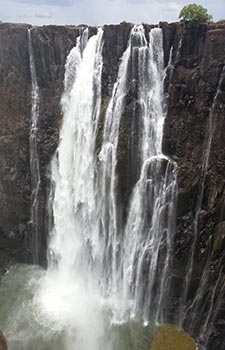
(194, 14)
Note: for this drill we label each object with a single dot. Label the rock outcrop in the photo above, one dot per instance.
(195, 88)
(3, 343)
(170, 337)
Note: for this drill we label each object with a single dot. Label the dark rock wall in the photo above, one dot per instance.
(195, 123)
(198, 58)
(14, 141)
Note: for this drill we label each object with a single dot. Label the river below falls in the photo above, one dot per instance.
(28, 326)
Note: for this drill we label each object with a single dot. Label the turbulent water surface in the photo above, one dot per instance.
(27, 326)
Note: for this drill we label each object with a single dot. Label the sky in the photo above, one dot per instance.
(99, 12)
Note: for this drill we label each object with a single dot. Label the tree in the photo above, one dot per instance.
(194, 14)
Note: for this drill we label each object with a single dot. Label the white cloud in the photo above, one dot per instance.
(46, 2)
(115, 11)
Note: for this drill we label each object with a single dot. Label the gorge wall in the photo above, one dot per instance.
(195, 89)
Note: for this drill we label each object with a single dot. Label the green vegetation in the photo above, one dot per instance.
(194, 14)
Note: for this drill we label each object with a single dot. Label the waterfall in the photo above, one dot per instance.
(67, 291)
(117, 255)
(151, 96)
(107, 277)
(149, 230)
(96, 266)
(73, 166)
(106, 199)
(149, 238)
(34, 159)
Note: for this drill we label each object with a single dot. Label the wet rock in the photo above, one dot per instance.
(219, 237)
(197, 70)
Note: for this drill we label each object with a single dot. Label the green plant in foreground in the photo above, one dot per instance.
(194, 14)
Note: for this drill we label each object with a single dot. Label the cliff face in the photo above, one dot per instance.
(194, 138)
(195, 87)
(14, 141)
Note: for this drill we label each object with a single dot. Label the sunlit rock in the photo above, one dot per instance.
(170, 337)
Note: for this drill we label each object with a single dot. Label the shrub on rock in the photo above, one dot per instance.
(194, 14)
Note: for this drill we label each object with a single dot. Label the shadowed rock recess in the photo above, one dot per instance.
(193, 136)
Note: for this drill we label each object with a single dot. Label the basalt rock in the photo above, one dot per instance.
(193, 127)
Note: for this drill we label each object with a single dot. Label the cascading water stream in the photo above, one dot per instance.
(34, 159)
(117, 253)
(151, 96)
(85, 244)
(149, 230)
(106, 198)
(68, 289)
(85, 238)
(148, 249)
